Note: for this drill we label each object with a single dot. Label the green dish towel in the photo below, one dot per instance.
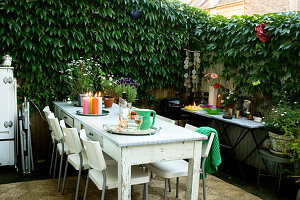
(214, 157)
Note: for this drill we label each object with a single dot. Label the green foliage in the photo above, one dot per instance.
(43, 35)
(247, 59)
(131, 92)
(108, 87)
(82, 76)
(284, 119)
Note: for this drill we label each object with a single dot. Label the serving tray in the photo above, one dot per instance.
(131, 130)
(104, 112)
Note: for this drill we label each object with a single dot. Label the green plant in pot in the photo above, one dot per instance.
(129, 86)
(282, 122)
(81, 76)
(109, 90)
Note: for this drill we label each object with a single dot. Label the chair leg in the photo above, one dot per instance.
(52, 157)
(86, 185)
(203, 179)
(169, 184)
(78, 183)
(145, 192)
(166, 185)
(177, 186)
(54, 170)
(60, 168)
(104, 185)
(64, 181)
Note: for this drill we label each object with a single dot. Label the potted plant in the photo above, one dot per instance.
(229, 98)
(282, 122)
(81, 76)
(129, 86)
(109, 90)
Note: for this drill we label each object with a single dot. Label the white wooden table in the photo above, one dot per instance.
(172, 142)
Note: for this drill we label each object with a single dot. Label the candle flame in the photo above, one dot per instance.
(90, 94)
(86, 94)
(95, 95)
(194, 103)
(99, 94)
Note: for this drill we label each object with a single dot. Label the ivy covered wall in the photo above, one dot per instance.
(43, 35)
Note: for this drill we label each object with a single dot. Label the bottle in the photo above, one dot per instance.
(124, 110)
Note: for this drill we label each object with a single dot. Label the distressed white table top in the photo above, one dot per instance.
(168, 134)
(242, 121)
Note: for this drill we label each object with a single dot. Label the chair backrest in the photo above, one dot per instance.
(47, 113)
(56, 127)
(205, 146)
(71, 139)
(190, 127)
(46, 109)
(94, 154)
(159, 117)
(83, 135)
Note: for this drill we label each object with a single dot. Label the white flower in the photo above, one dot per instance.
(282, 114)
(230, 92)
(234, 99)
(227, 97)
(276, 110)
(70, 77)
(103, 77)
(110, 83)
(110, 79)
(84, 74)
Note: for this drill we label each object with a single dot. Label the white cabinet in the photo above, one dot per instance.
(7, 115)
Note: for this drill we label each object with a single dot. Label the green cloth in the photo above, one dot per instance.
(214, 157)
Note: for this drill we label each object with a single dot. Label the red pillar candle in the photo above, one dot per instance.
(95, 105)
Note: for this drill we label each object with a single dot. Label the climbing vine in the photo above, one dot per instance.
(43, 36)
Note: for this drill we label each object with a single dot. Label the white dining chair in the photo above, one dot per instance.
(165, 119)
(108, 160)
(106, 177)
(179, 168)
(76, 155)
(61, 149)
(47, 112)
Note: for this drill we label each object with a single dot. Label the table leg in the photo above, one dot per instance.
(124, 175)
(194, 173)
(256, 144)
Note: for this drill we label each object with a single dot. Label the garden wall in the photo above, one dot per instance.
(43, 36)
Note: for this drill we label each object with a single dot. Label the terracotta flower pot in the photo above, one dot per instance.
(108, 101)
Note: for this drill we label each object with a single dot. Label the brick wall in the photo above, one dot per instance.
(266, 6)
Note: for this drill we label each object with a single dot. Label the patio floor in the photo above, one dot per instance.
(46, 189)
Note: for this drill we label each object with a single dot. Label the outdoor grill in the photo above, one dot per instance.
(171, 108)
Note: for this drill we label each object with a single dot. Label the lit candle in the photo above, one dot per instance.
(95, 103)
(100, 103)
(86, 104)
(91, 103)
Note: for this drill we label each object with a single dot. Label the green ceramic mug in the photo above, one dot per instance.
(146, 113)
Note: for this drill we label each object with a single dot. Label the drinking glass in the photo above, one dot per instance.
(138, 121)
(123, 122)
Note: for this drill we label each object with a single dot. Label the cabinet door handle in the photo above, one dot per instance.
(91, 134)
(65, 117)
(8, 124)
(7, 80)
